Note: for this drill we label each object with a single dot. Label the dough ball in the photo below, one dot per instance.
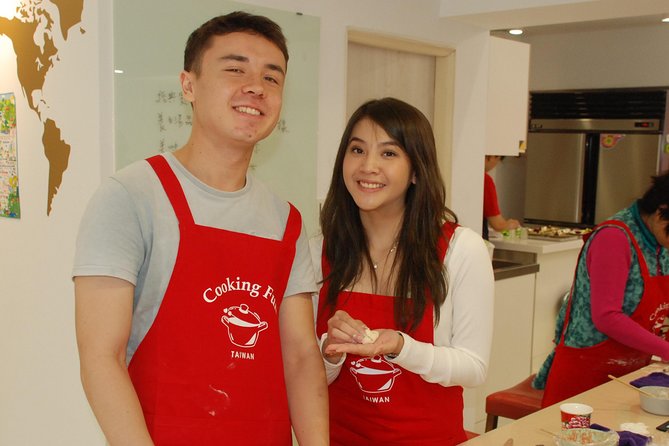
(370, 336)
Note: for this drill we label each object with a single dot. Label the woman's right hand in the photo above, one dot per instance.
(342, 329)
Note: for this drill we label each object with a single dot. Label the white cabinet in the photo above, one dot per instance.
(556, 273)
(508, 92)
(557, 262)
(525, 310)
(511, 351)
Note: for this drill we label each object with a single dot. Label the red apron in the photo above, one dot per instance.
(577, 369)
(210, 371)
(376, 402)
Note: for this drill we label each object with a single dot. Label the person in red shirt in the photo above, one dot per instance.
(491, 213)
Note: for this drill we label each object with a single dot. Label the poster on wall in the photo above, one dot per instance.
(9, 169)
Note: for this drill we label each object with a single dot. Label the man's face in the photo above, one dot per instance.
(238, 93)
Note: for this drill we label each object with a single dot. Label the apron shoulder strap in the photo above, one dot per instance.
(325, 265)
(447, 231)
(293, 225)
(635, 245)
(173, 188)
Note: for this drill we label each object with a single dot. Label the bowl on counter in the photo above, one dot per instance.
(658, 403)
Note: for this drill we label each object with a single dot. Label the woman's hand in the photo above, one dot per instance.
(342, 329)
(389, 342)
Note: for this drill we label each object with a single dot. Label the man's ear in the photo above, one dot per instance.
(186, 79)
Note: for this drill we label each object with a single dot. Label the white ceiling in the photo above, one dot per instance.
(551, 16)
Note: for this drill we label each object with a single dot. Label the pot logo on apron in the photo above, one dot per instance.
(244, 326)
(374, 375)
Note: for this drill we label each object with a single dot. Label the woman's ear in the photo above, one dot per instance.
(413, 179)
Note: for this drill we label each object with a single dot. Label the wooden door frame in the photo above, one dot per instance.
(444, 88)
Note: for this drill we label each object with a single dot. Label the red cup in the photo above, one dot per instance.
(575, 415)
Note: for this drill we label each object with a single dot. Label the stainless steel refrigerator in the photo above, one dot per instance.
(585, 162)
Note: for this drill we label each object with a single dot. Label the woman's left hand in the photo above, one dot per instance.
(389, 342)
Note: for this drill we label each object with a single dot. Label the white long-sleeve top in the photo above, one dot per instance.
(462, 338)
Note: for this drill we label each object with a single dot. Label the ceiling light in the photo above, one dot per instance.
(665, 20)
(515, 32)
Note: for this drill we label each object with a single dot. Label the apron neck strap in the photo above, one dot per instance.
(639, 254)
(172, 188)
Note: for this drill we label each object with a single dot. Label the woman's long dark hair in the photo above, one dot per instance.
(420, 272)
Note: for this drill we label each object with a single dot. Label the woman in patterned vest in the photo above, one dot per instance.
(613, 321)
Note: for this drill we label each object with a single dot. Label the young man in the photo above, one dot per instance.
(193, 281)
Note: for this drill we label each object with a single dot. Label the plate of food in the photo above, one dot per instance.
(556, 233)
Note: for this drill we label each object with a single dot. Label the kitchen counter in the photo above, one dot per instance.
(536, 246)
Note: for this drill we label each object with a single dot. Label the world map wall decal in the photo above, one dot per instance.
(36, 31)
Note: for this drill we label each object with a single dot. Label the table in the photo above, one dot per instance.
(613, 404)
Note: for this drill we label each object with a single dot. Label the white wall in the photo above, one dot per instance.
(41, 401)
(468, 7)
(630, 57)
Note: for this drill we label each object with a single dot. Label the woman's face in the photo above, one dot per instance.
(377, 171)
(658, 227)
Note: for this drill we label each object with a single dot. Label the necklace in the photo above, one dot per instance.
(390, 251)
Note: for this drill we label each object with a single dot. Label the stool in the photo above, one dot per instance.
(513, 403)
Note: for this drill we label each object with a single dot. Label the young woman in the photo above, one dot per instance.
(394, 260)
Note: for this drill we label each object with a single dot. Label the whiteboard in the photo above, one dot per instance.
(151, 117)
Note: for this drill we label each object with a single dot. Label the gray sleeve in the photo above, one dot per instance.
(302, 273)
(109, 242)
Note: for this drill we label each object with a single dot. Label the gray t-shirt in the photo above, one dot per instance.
(130, 231)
